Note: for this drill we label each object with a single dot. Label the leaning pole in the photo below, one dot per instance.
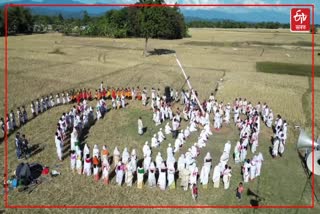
(190, 87)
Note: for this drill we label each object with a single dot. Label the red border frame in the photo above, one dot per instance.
(143, 5)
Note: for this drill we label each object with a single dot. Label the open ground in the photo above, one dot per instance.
(36, 68)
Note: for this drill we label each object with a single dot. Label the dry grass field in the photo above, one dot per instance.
(207, 56)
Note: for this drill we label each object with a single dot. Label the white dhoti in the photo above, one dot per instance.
(171, 182)
(254, 146)
(275, 149)
(119, 177)
(243, 155)
(258, 169)
(59, 152)
(129, 177)
(162, 180)
(226, 181)
(253, 172)
(204, 176)
(281, 148)
(216, 176)
(151, 178)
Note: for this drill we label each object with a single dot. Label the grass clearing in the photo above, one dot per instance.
(34, 72)
(123, 121)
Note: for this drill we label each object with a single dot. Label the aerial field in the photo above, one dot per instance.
(52, 63)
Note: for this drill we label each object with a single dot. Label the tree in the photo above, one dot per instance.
(314, 30)
(158, 22)
(133, 23)
(60, 18)
(144, 22)
(20, 20)
(147, 19)
(86, 18)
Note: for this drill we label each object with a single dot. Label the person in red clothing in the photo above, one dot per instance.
(81, 95)
(195, 192)
(78, 98)
(89, 94)
(87, 165)
(104, 93)
(240, 190)
(85, 94)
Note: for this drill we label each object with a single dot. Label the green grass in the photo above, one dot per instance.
(287, 68)
(119, 128)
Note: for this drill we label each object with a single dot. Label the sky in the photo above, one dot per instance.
(263, 11)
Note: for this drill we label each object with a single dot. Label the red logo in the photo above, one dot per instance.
(300, 20)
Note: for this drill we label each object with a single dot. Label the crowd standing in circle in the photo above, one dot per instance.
(161, 173)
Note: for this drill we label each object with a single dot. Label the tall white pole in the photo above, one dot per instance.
(190, 87)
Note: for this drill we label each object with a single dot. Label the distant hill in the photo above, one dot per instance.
(67, 12)
(253, 14)
(189, 19)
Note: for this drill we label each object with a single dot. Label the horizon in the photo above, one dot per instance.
(243, 14)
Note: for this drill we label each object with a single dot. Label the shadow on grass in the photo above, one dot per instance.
(35, 149)
(161, 52)
(84, 134)
(257, 198)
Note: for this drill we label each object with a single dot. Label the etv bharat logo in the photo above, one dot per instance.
(300, 20)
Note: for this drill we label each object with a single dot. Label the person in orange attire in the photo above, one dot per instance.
(96, 95)
(118, 93)
(96, 163)
(139, 96)
(105, 152)
(113, 94)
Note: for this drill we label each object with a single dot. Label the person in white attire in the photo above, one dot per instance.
(167, 129)
(140, 126)
(216, 176)
(161, 136)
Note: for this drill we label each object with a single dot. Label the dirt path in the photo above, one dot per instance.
(307, 105)
(219, 83)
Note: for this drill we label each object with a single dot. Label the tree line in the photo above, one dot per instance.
(235, 24)
(143, 22)
(151, 22)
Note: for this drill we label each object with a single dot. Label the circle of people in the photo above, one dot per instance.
(162, 172)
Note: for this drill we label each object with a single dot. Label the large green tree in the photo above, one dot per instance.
(19, 20)
(150, 18)
(160, 22)
(133, 21)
